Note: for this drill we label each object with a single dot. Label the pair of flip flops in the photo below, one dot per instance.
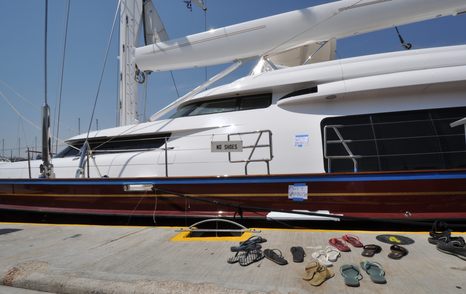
(245, 258)
(352, 275)
(316, 274)
(276, 255)
(397, 252)
(340, 244)
(327, 256)
(370, 250)
(248, 251)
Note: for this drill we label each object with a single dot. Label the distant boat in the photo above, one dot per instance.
(304, 135)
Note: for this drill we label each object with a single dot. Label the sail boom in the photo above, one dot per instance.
(268, 36)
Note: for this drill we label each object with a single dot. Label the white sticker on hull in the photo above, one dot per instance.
(301, 140)
(297, 192)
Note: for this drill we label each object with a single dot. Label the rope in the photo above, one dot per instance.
(103, 69)
(174, 84)
(241, 207)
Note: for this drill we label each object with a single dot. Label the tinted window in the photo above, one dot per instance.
(117, 144)
(225, 105)
(407, 140)
(215, 107)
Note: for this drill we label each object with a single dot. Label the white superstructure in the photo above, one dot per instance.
(274, 121)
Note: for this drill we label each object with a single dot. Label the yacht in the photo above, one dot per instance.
(304, 136)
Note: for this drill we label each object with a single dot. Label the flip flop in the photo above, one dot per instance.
(277, 258)
(353, 240)
(370, 250)
(235, 258)
(351, 275)
(298, 253)
(310, 270)
(397, 252)
(375, 271)
(321, 257)
(250, 257)
(339, 244)
(440, 232)
(254, 239)
(245, 247)
(332, 254)
(322, 274)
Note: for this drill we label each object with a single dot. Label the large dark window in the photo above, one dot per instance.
(225, 105)
(407, 140)
(116, 144)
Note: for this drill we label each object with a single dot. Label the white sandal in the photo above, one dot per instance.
(332, 254)
(322, 258)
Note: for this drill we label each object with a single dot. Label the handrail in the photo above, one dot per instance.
(254, 148)
(343, 142)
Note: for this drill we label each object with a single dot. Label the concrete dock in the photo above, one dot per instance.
(103, 259)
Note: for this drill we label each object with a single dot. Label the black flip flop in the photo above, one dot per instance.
(250, 257)
(370, 250)
(277, 258)
(298, 253)
(397, 252)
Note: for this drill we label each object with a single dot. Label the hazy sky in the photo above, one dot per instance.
(22, 57)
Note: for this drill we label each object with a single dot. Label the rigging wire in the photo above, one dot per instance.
(204, 8)
(45, 51)
(59, 98)
(19, 95)
(103, 70)
(18, 112)
(174, 84)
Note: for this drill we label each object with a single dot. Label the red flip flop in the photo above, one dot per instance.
(353, 240)
(339, 244)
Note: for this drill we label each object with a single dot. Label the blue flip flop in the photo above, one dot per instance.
(375, 271)
(351, 274)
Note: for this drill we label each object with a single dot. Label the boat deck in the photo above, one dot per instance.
(91, 259)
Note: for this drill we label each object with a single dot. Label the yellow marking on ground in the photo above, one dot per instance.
(85, 225)
(184, 237)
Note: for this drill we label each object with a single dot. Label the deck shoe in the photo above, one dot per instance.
(455, 246)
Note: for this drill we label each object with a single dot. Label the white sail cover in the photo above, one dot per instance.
(271, 35)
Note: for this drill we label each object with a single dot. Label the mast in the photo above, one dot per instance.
(46, 168)
(130, 19)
